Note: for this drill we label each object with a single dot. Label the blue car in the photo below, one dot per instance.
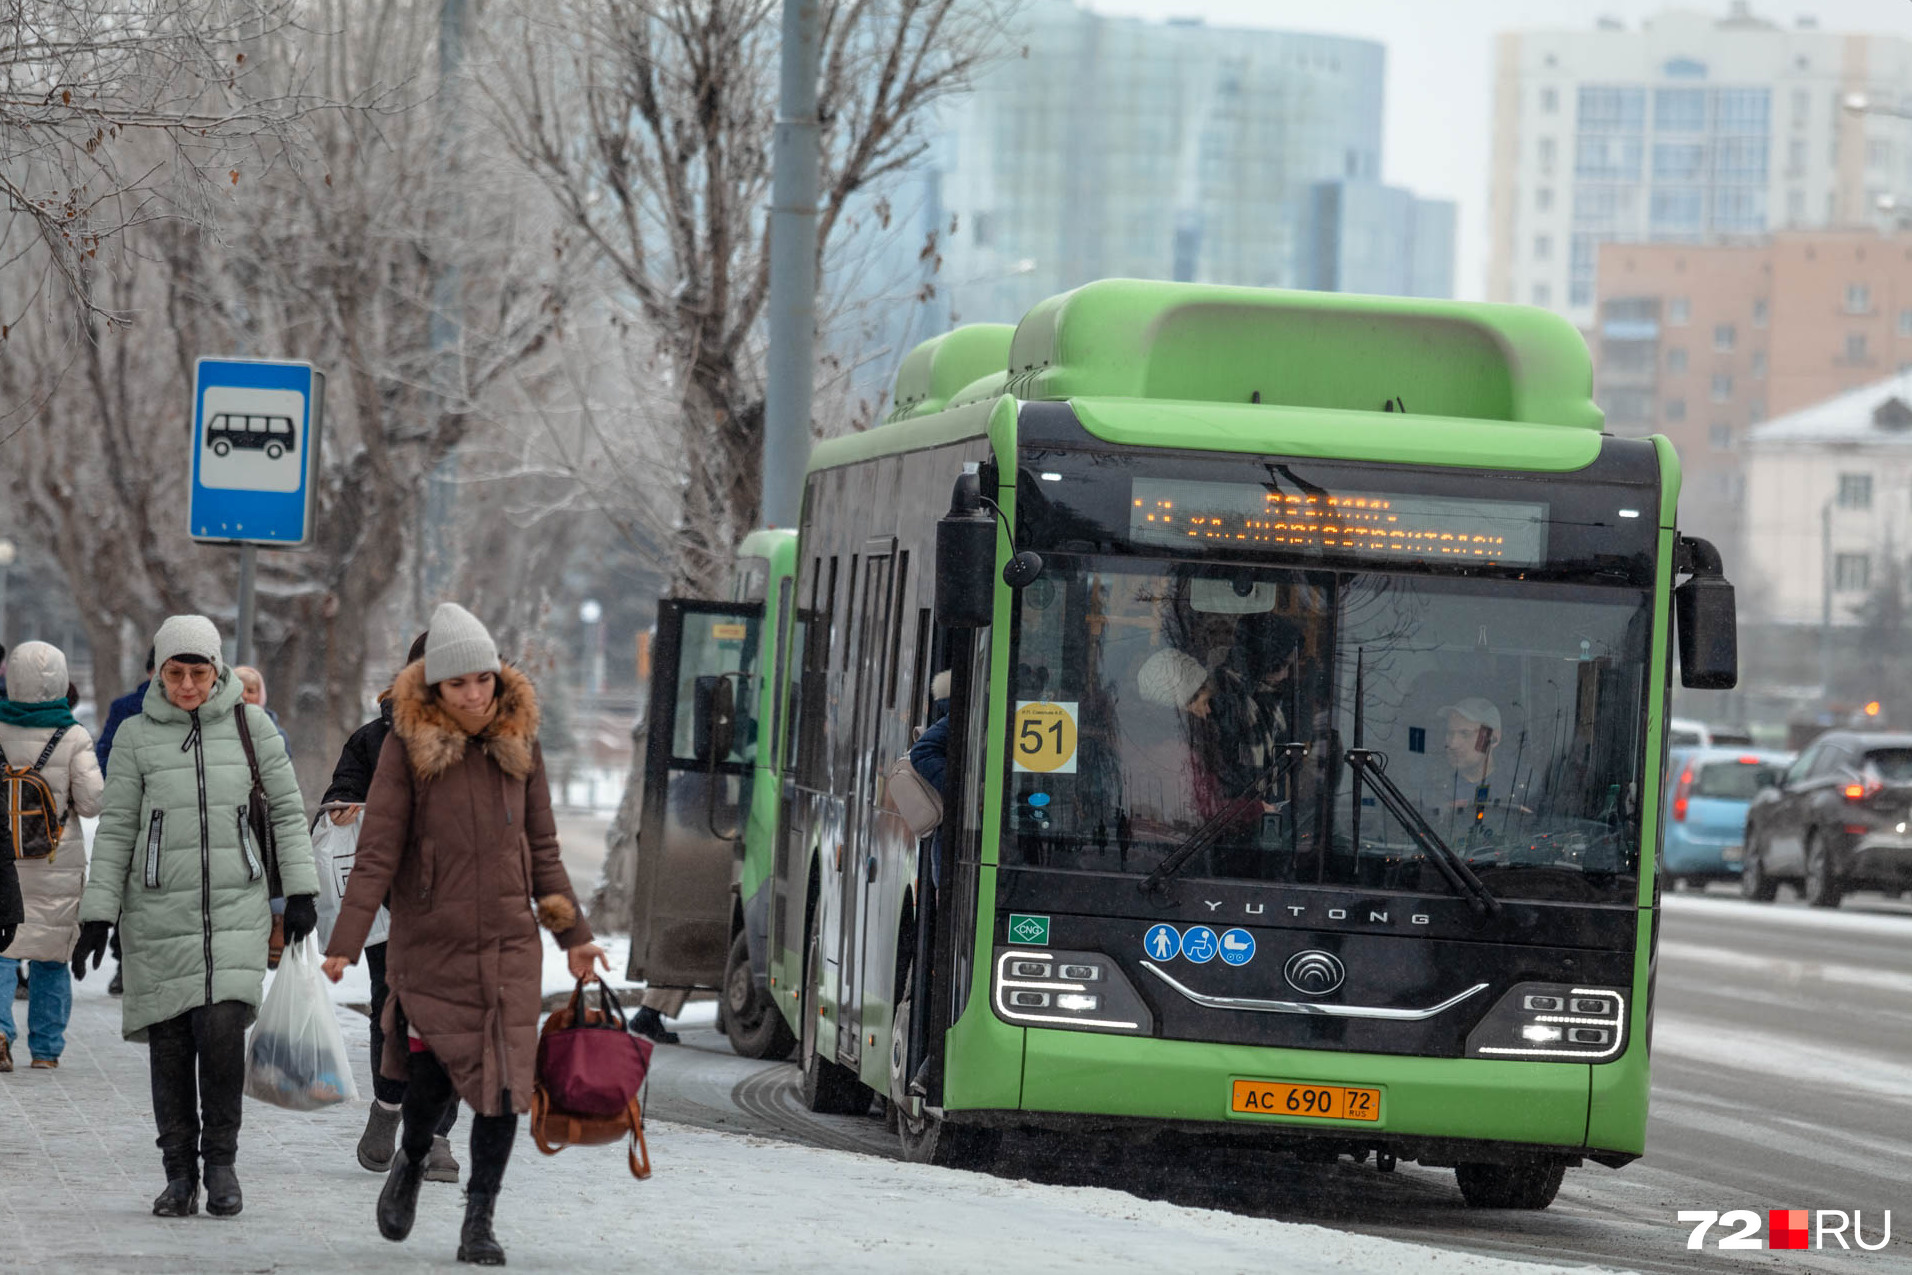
(1708, 793)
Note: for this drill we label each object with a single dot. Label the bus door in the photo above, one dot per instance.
(699, 746)
(859, 879)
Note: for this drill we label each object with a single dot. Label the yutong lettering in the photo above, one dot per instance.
(1300, 911)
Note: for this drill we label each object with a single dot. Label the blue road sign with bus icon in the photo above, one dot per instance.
(255, 451)
(1162, 942)
(1199, 944)
(1238, 947)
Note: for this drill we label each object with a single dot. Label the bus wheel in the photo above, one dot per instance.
(1510, 1186)
(274, 451)
(926, 1139)
(221, 447)
(829, 1088)
(752, 1021)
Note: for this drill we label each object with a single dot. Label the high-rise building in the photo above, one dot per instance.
(1702, 342)
(1691, 129)
(1119, 147)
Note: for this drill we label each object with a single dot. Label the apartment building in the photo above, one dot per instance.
(1692, 128)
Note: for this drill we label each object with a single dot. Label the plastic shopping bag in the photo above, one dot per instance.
(296, 1057)
(334, 851)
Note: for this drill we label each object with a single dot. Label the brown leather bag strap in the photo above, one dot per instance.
(640, 1165)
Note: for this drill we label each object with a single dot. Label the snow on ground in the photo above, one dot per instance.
(1896, 925)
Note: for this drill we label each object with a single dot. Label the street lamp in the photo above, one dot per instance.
(1860, 104)
(7, 554)
(592, 614)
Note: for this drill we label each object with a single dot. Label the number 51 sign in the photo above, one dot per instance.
(1044, 736)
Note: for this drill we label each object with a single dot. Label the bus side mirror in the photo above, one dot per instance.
(713, 719)
(966, 560)
(1707, 618)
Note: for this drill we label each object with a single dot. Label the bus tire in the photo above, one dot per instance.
(828, 1087)
(750, 1018)
(220, 447)
(1532, 1185)
(924, 1138)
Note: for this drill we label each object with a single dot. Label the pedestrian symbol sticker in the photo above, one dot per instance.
(1032, 930)
(1162, 942)
(1045, 737)
(1199, 944)
(1238, 947)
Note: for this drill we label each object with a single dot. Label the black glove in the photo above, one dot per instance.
(301, 918)
(93, 938)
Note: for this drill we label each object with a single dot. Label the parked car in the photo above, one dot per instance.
(1836, 822)
(1709, 791)
(1687, 732)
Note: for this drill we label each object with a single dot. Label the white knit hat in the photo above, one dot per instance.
(457, 644)
(188, 635)
(1170, 677)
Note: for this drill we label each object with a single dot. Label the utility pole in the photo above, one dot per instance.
(1825, 601)
(793, 271)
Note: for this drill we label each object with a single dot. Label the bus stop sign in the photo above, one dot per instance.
(255, 451)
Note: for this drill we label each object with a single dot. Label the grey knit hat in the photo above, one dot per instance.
(188, 635)
(457, 644)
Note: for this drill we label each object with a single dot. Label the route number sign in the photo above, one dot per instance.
(1043, 740)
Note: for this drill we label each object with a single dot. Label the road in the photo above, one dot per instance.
(1782, 1074)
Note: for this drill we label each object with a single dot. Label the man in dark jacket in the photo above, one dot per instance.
(121, 710)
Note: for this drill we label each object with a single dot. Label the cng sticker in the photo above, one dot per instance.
(1045, 737)
(1031, 930)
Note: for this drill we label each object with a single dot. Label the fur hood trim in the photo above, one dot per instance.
(435, 742)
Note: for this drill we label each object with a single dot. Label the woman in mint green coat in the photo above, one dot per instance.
(176, 868)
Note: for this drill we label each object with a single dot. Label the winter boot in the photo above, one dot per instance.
(476, 1244)
(6, 1054)
(648, 1022)
(439, 1164)
(222, 1191)
(398, 1202)
(380, 1139)
(118, 986)
(179, 1199)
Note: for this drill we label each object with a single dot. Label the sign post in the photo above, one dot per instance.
(255, 463)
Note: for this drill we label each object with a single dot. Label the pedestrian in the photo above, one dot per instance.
(351, 782)
(117, 713)
(37, 730)
(458, 833)
(175, 864)
(252, 689)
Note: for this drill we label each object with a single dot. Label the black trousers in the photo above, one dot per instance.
(384, 1088)
(198, 1061)
(428, 1096)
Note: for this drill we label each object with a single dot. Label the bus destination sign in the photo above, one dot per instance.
(1394, 526)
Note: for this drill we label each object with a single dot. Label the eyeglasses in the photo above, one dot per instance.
(176, 674)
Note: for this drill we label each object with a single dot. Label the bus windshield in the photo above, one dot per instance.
(1157, 699)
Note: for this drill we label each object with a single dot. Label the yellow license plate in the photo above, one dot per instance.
(1325, 1102)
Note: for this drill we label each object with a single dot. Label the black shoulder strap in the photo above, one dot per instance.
(46, 754)
(245, 742)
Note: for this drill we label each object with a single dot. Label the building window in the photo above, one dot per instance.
(1608, 157)
(1543, 294)
(1905, 323)
(1756, 411)
(1759, 363)
(1801, 107)
(1675, 410)
(1550, 101)
(1855, 491)
(1720, 437)
(1543, 199)
(1742, 110)
(1855, 347)
(1723, 337)
(1851, 572)
(1679, 161)
(1612, 110)
(1676, 359)
(1543, 247)
(1679, 110)
(1858, 298)
(1878, 154)
(1740, 159)
(1760, 312)
(1677, 310)
(1548, 148)
(1795, 206)
(1739, 209)
(1580, 292)
(1797, 156)
(1722, 386)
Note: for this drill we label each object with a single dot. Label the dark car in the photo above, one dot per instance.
(1836, 822)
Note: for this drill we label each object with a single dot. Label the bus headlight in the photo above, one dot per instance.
(1083, 991)
(1544, 1021)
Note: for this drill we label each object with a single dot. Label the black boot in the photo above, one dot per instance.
(222, 1191)
(648, 1022)
(118, 986)
(398, 1202)
(476, 1244)
(179, 1199)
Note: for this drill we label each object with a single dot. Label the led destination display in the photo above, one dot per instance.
(1434, 528)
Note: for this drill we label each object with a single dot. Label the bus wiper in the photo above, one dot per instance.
(1231, 810)
(1370, 767)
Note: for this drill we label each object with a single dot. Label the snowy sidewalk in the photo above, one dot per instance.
(81, 1170)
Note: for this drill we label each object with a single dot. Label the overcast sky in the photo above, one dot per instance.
(1440, 85)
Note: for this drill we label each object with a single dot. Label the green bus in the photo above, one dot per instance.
(1302, 746)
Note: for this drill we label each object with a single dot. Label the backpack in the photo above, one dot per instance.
(590, 1070)
(27, 823)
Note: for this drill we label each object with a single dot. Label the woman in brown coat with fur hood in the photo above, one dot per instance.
(459, 833)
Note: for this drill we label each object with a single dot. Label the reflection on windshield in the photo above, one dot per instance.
(1152, 700)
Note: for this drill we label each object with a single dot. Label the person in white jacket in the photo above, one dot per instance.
(35, 713)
